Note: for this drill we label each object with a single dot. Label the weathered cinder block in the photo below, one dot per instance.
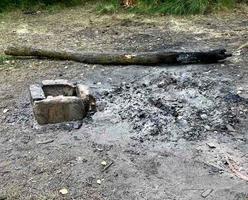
(57, 101)
(36, 92)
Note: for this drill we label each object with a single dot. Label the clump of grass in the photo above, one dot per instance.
(5, 59)
(224, 4)
(108, 6)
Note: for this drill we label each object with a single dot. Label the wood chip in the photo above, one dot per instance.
(206, 193)
(211, 145)
(243, 46)
(234, 168)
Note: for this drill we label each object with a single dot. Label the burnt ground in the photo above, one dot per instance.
(167, 130)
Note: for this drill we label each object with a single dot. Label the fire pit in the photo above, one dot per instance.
(57, 101)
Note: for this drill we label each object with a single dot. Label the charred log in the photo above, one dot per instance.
(141, 58)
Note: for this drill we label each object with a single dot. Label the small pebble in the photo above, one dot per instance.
(204, 116)
(211, 145)
(208, 128)
(79, 159)
(103, 163)
(230, 128)
(5, 110)
(179, 117)
(63, 191)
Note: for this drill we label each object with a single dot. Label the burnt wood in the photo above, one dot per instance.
(140, 58)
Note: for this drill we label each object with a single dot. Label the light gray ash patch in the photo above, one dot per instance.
(173, 106)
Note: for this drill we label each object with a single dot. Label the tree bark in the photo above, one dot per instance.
(142, 58)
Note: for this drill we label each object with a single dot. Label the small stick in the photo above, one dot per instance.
(107, 166)
(234, 170)
(45, 142)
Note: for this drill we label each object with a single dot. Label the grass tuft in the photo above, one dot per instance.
(108, 6)
(5, 59)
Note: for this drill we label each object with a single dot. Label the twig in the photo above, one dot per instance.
(45, 142)
(107, 166)
(234, 170)
(243, 46)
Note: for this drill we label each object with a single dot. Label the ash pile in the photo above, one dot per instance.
(169, 106)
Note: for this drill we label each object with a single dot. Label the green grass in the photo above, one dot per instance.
(6, 5)
(108, 6)
(175, 7)
(4, 59)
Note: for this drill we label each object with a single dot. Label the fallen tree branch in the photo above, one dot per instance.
(145, 58)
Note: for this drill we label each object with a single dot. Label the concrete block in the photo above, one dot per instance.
(56, 101)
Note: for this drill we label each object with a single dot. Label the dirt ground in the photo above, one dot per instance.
(165, 132)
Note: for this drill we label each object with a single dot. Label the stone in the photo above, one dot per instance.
(5, 110)
(36, 92)
(211, 145)
(104, 163)
(230, 128)
(59, 109)
(63, 191)
(56, 101)
(203, 116)
(208, 128)
(84, 93)
(57, 82)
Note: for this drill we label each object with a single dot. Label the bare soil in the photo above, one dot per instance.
(165, 132)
